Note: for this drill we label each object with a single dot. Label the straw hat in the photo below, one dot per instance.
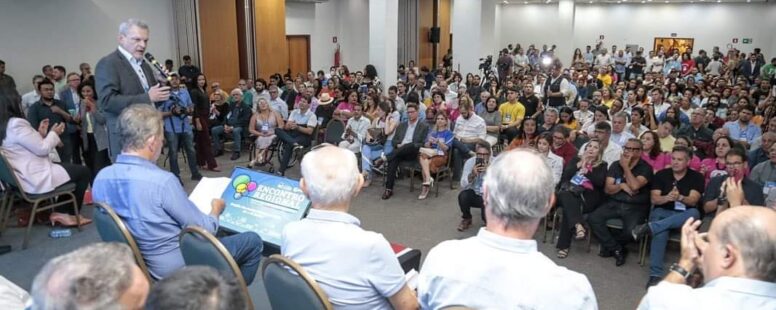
(325, 99)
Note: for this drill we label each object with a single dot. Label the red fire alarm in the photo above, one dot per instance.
(333, 39)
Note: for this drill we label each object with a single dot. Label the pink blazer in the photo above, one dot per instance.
(28, 153)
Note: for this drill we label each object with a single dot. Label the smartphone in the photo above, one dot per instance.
(479, 162)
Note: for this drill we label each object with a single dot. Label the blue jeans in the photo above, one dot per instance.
(216, 133)
(174, 141)
(661, 222)
(371, 152)
(246, 250)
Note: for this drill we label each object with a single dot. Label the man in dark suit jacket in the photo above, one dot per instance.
(123, 79)
(409, 137)
(750, 69)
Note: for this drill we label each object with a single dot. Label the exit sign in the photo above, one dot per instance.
(747, 40)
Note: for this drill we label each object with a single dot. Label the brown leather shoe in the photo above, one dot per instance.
(465, 224)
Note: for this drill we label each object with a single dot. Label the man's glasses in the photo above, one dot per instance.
(735, 164)
(631, 149)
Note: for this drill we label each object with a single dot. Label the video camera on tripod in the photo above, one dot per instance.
(486, 64)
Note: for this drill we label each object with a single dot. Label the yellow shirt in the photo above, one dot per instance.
(608, 103)
(606, 79)
(511, 112)
(667, 143)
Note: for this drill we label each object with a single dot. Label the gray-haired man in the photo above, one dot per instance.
(517, 193)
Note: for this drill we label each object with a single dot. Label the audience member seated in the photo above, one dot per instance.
(235, 123)
(27, 149)
(715, 165)
(735, 259)
(715, 198)
(695, 162)
(517, 194)
(492, 118)
(526, 136)
(760, 155)
(344, 110)
(627, 184)
(611, 151)
(635, 127)
(297, 132)
(512, 114)
(197, 288)
(581, 191)
(471, 184)
(697, 131)
(600, 115)
(355, 130)
(652, 152)
(765, 174)
(619, 135)
(676, 194)
(275, 103)
(97, 276)
(51, 108)
(379, 139)
(154, 205)
(549, 121)
(744, 130)
(469, 127)
(433, 155)
(177, 128)
(410, 136)
(543, 146)
(665, 135)
(262, 126)
(356, 268)
(561, 145)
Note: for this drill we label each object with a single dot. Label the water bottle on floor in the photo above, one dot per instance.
(60, 233)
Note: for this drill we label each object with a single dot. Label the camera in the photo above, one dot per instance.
(177, 109)
(486, 63)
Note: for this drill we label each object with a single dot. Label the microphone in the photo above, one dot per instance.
(158, 67)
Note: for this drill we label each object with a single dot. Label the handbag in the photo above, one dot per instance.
(378, 136)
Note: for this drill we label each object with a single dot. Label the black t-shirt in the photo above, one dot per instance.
(641, 169)
(664, 182)
(753, 192)
(531, 104)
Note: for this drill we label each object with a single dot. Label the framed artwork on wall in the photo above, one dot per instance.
(682, 44)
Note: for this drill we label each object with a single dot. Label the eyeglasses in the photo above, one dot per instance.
(631, 149)
(735, 164)
(559, 137)
(483, 154)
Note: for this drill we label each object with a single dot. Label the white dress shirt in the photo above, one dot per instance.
(584, 118)
(356, 268)
(137, 66)
(556, 165)
(721, 293)
(280, 106)
(474, 127)
(28, 100)
(359, 126)
(490, 271)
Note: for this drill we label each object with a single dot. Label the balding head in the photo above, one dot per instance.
(742, 243)
(330, 177)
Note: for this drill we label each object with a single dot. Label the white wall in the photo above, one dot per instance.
(38, 32)
(710, 24)
(348, 20)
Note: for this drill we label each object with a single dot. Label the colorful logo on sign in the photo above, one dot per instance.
(243, 185)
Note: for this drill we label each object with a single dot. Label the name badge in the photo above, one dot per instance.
(265, 127)
(578, 179)
(679, 206)
(768, 187)
(507, 118)
(617, 180)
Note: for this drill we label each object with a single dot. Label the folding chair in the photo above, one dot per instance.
(112, 229)
(290, 287)
(13, 189)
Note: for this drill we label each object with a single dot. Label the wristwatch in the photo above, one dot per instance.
(681, 271)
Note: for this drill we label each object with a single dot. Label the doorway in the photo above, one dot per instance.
(298, 54)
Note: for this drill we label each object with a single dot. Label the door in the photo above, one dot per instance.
(298, 53)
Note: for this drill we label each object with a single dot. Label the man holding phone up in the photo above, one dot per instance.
(715, 198)
(471, 183)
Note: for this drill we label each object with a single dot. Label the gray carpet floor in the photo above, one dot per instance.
(403, 219)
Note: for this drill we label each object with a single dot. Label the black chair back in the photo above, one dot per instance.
(112, 229)
(290, 287)
(334, 131)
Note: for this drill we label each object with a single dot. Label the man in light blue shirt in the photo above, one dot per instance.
(153, 204)
(356, 268)
(744, 130)
(501, 268)
(177, 127)
(735, 258)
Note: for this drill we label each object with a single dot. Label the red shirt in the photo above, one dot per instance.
(567, 151)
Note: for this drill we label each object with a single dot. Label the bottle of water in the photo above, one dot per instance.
(60, 233)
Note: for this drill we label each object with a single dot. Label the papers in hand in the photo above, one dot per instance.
(206, 190)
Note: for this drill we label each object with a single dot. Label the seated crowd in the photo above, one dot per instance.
(661, 145)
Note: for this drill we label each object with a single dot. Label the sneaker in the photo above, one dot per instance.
(619, 257)
(640, 231)
(235, 156)
(465, 224)
(653, 280)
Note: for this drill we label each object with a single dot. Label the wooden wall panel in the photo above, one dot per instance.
(218, 34)
(425, 22)
(445, 7)
(269, 22)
